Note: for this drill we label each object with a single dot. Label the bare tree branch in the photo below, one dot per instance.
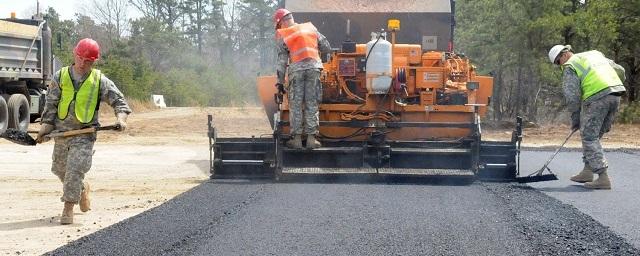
(112, 14)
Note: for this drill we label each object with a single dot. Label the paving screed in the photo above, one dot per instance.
(264, 218)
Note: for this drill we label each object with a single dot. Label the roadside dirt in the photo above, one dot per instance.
(620, 137)
(189, 125)
(177, 126)
(162, 154)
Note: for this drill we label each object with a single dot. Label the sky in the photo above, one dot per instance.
(26, 8)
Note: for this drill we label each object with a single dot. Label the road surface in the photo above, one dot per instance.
(266, 218)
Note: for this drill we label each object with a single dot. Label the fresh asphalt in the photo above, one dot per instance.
(266, 218)
(618, 208)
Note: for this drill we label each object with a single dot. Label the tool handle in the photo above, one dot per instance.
(112, 127)
(557, 151)
(84, 131)
(72, 132)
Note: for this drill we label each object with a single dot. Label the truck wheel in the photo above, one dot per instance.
(18, 112)
(4, 115)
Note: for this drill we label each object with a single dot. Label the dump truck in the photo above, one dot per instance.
(25, 70)
(397, 101)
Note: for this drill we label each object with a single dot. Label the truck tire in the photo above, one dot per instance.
(18, 112)
(4, 115)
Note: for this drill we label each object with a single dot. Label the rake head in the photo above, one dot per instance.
(538, 176)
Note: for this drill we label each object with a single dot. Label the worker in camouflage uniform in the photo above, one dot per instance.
(300, 46)
(592, 86)
(73, 100)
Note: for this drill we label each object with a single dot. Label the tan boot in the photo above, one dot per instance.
(296, 142)
(312, 142)
(586, 175)
(85, 202)
(602, 182)
(67, 214)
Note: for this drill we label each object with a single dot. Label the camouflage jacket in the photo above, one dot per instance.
(283, 58)
(108, 93)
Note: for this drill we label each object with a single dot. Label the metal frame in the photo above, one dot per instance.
(267, 157)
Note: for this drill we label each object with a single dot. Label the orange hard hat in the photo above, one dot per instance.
(280, 13)
(88, 48)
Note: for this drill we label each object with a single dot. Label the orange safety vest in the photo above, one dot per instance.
(302, 41)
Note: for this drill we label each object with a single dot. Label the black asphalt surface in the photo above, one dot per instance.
(618, 208)
(264, 218)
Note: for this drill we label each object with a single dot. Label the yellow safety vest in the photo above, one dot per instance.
(86, 98)
(594, 71)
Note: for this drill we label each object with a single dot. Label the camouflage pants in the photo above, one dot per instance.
(596, 119)
(71, 161)
(305, 90)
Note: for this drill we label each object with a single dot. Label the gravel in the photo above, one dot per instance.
(555, 228)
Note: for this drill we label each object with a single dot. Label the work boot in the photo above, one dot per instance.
(312, 142)
(296, 142)
(85, 203)
(602, 182)
(67, 214)
(586, 175)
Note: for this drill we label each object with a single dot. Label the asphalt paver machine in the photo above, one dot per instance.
(396, 101)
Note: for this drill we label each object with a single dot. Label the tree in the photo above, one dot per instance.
(627, 45)
(63, 35)
(165, 11)
(255, 19)
(112, 14)
(510, 40)
(151, 41)
(198, 12)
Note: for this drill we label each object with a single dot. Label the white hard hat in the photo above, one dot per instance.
(556, 50)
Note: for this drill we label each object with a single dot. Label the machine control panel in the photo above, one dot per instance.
(347, 67)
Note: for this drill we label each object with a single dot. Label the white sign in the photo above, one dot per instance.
(158, 100)
(429, 43)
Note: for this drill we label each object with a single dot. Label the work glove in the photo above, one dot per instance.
(280, 87)
(44, 130)
(279, 97)
(122, 121)
(575, 121)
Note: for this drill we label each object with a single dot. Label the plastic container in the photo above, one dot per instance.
(379, 75)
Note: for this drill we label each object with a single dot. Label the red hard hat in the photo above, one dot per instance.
(88, 48)
(280, 13)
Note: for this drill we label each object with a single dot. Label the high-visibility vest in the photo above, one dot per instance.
(594, 71)
(302, 41)
(86, 98)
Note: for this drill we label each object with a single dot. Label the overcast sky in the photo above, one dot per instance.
(26, 8)
(66, 8)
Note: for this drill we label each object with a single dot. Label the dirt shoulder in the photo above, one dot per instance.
(161, 155)
(620, 137)
(189, 125)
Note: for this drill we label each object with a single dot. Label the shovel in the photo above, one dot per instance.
(537, 176)
(23, 138)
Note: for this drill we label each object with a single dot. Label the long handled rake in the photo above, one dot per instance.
(23, 138)
(538, 175)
